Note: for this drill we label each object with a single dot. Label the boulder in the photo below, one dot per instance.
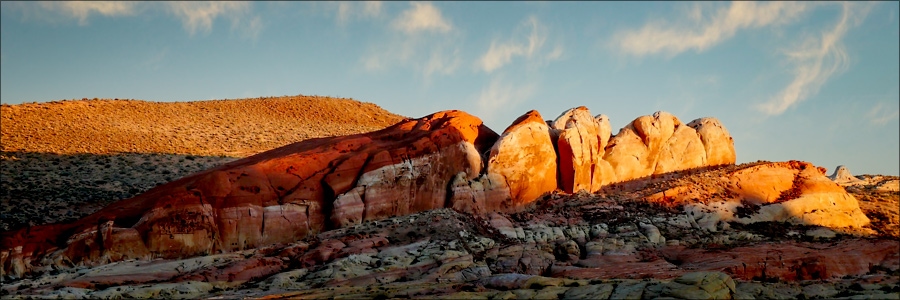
(579, 147)
(277, 196)
(525, 160)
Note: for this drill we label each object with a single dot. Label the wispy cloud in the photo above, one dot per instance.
(420, 39)
(501, 53)
(694, 32)
(199, 16)
(815, 61)
(881, 114)
(500, 94)
(82, 10)
(426, 56)
(194, 16)
(421, 17)
(349, 10)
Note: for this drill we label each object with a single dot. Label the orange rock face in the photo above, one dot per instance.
(589, 158)
(579, 147)
(794, 191)
(524, 158)
(278, 196)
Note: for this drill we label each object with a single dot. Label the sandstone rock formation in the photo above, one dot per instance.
(525, 159)
(794, 191)
(590, 158)
(842, 175)
(441, 160)
(275, 197)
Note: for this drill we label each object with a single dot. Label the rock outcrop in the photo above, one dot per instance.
(447, 159)
(278, 196)
(842, 175)
(795, 192)
(589, 158)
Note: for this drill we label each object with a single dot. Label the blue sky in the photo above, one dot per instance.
(790, 80)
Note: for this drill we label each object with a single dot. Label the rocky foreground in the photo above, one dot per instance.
(616, 244)
(444, 207)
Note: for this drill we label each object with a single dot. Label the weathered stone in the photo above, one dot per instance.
(524, 158)
(278, 196)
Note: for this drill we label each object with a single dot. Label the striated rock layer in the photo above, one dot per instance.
(438, 161)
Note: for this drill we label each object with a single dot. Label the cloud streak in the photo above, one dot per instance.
(422, 17)
(82, 10)
(421, 39)
(501, 53)
(699, 34)
(881, 115)
(347, 11)
(199, 16)
(815, 61)
(500, 94)
(194, 16)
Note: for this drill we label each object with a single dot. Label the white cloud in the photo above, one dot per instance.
(195, 16)
(422, 16)
(528, 45)
(501, 95)
(347, 10)
(695, 33)
(81, 10)
(425, 54)
(199, 16)
(880, 114)
(815, 61)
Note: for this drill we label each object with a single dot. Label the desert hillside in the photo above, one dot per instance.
(208, 128)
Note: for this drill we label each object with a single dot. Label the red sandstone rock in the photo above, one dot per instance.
(277, 196)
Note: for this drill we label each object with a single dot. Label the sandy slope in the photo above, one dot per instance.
(218, 127)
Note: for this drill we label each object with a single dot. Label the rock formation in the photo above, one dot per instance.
(447, 159)
(795, 192)
(842, 175)
(590, 158)
(443, 206)
(278, 196)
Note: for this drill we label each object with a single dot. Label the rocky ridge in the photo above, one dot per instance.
(290, 192)
(656, 228)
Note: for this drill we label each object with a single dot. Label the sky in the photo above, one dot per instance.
(807, 81)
